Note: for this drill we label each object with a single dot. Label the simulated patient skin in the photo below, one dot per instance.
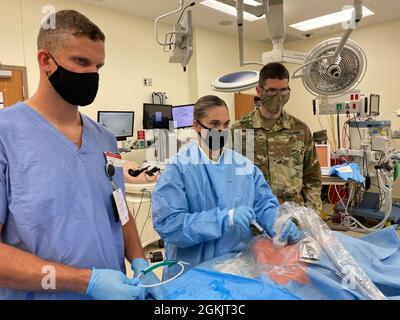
(281, 265)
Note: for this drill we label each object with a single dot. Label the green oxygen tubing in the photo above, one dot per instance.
(166, 263)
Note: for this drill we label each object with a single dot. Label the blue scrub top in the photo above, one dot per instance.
(193, 198)
(55, 198)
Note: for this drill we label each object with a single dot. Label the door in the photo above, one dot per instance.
(12, 88)
(244, 103)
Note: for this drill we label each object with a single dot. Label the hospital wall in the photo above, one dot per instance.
(131, 55)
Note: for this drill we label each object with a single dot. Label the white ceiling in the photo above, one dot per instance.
(295, 11)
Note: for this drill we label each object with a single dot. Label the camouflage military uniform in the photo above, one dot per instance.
(287, 157)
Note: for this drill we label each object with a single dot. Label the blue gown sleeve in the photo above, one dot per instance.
(265, 202)
(171, 216)
(3, 186)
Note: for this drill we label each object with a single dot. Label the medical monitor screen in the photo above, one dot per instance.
(156, 116)
(374, 103)
(183, 116)
(118, 123)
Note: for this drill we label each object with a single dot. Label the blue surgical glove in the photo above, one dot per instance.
(155, 293)
(243, 217)
(107, 284)
(290, 233)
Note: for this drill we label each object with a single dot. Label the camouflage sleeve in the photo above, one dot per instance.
(312, 183)
(235, 142)
(235, 125)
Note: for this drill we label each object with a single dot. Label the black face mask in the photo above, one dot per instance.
(78, 89)
(215, 139)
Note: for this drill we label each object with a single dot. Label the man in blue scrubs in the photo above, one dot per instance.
(61, 237)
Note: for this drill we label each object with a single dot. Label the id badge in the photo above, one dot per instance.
(114, 158)
(120, 206)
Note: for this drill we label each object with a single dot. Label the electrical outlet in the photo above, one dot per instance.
(148, 82)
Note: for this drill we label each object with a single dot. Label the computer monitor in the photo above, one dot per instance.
(374, 104)
(119, 123)
(156, 116)
(183, 116)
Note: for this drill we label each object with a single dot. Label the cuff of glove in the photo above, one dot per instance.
(138, 265)
(93, 277)
(267, 221)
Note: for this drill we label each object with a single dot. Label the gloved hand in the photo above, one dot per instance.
(243, 217)
(290, 233)
(107, 284)
(156, 293)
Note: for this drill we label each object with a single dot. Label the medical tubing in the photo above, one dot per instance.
(164, 282)
(348, 268)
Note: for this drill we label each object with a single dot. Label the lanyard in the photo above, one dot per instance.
(110, 171)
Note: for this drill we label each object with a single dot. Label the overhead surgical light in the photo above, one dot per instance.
(236, 82)
(274, 13)
(231, 10)
(329, 19)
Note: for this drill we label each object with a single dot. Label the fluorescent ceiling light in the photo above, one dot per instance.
(225, 8)
(328, 20)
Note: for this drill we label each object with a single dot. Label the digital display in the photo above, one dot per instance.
(156, 116)
(120, 124)
(374, 104)
(183, 116)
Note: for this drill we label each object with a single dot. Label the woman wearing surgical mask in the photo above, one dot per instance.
(209, 195)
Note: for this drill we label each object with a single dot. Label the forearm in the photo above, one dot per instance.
(312, 181)
(312, 186)
(20, 270)
(188, 229)
(133, 246)
(312, 198)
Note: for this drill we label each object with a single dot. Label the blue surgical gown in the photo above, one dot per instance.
(55, 198)
(192, 200)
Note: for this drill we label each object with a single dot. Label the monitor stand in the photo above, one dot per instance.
(161, 144)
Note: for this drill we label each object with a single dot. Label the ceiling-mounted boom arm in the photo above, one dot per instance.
(275, 15)
(274, 12)
(164, 44)
(356, 18)
(240, 21)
